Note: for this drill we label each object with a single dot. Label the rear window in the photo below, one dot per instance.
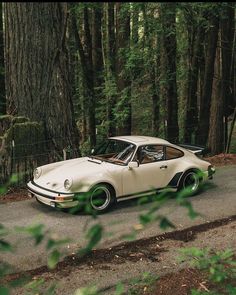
(172, 153)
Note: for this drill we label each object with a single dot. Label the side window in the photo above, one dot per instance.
(172, 153)
(150, 153)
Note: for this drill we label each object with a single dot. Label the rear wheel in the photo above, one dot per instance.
(190, 182)
(102, 197)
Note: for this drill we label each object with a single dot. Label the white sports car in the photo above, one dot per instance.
(122, 167)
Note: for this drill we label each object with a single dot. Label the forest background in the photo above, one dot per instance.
(74, 73)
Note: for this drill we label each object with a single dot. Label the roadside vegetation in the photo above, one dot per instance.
(72, 74)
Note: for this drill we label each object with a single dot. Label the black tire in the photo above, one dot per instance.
(190, 182)
(102, 197)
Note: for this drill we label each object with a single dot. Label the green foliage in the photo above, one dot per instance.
(138, 285)
(53, 259)
(94, 235)
(119, 289)
(220, 267)
(4, 290)
(35, 231)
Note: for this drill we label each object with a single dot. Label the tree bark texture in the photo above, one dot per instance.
(195, 41)
(168, 68)
(84, 47)
(216, 127)
(2, 76)
(89, 78)
(36, 60)
(205, 102)
(123, 80)
(111, 68)
(227, 29)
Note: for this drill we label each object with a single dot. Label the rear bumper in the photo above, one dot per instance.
(53, 199)
(209, 173)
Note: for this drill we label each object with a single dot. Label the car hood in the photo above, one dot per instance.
(77, 170)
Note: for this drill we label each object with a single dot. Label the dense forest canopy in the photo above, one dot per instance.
(85, 71)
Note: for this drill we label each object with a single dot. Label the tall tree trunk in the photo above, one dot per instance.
(89, 77)
(168, 68)
(2, 76)
(36, 61)
(220, 107)
(123, 81)
(97, 53)
(110, 69)
(208, 78)
(97, 47)
(227, 26)
(194, 45)
(155, 103)
(86, 60)
(154, 47)
(216, 132)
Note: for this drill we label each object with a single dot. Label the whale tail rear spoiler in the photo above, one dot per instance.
(197, 150)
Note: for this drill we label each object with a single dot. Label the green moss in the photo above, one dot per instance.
(6, 118)
(27, 137)
(20, 119)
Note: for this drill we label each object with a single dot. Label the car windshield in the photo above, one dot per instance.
(114, 151)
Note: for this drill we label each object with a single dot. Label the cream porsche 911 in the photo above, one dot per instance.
(121, 168)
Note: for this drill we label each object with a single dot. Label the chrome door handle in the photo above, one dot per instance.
(163, 167)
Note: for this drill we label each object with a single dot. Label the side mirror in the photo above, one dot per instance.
(133, 164)
(92, 151)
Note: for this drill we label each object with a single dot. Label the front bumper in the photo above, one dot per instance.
(51, 198)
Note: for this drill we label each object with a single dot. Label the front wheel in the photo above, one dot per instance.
(190, 182)
(101, 198)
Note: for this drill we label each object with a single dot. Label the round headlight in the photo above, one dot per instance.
(67, 184)
(37, 173)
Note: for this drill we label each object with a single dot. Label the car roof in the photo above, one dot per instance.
(140, 140)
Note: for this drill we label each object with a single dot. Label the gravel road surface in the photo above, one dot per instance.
(217, 202)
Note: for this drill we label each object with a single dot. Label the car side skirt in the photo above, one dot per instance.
(146, 193)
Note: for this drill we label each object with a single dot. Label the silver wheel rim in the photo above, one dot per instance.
(191, 181)
(96, 196)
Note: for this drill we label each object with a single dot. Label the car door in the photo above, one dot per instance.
(151, 171)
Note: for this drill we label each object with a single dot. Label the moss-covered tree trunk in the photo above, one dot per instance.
(36, 61)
